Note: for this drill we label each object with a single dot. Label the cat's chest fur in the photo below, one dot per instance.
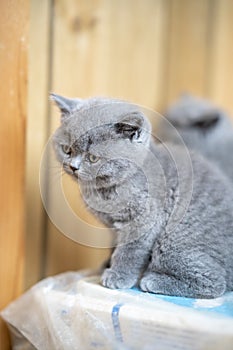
(139, 202)
(117, 206)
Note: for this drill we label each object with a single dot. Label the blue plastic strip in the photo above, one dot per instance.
(116, 322)
(222, 305)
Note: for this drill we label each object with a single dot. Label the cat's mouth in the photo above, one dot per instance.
(68, 170)
(71, 172)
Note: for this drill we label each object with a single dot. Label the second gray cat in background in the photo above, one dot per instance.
(203, 127)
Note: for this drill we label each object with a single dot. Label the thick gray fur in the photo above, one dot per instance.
(203, 127)
(133, 187)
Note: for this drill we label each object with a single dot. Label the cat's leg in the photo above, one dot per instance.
(127, 264)
(199, 277)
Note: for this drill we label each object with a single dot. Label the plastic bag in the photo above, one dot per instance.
(73, 311)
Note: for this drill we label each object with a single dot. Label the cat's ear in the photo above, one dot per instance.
(134, 127)
(66, 105)
(207, 120)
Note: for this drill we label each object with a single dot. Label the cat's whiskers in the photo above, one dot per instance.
(55, 173)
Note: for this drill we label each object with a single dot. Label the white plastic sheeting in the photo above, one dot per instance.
(73, 311)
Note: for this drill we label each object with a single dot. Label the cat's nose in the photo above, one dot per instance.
(73, 168)
(75, 163)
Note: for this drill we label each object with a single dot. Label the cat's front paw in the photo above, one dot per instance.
(115, 280)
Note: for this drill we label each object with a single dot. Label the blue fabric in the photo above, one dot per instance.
(116, 322)
(222, 305)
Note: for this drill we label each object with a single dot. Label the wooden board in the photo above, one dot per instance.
(220, 69)
(147, 51)
(37, 134)
(188, 47)
(13, 63)
(112, 48)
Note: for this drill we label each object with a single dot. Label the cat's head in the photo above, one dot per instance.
(199, 122)
(100, 139)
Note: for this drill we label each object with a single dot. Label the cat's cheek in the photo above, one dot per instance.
(115, 280)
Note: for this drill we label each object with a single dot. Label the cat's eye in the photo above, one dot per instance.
(66, 149)
(92, 158)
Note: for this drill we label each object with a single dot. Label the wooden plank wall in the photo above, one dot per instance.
(13, 66)
(147, 51)
(108, 49)
(37, 133)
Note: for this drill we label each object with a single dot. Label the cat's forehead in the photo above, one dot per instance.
(100, 121)
(94, 116)
(94, 137)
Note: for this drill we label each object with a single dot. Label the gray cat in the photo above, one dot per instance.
(174, 229)
(203, 127)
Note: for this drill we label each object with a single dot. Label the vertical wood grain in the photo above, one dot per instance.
(13, 63)
(113, 48)
(144, 51)
(188, 53)
(37, 133)
(220, 70)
